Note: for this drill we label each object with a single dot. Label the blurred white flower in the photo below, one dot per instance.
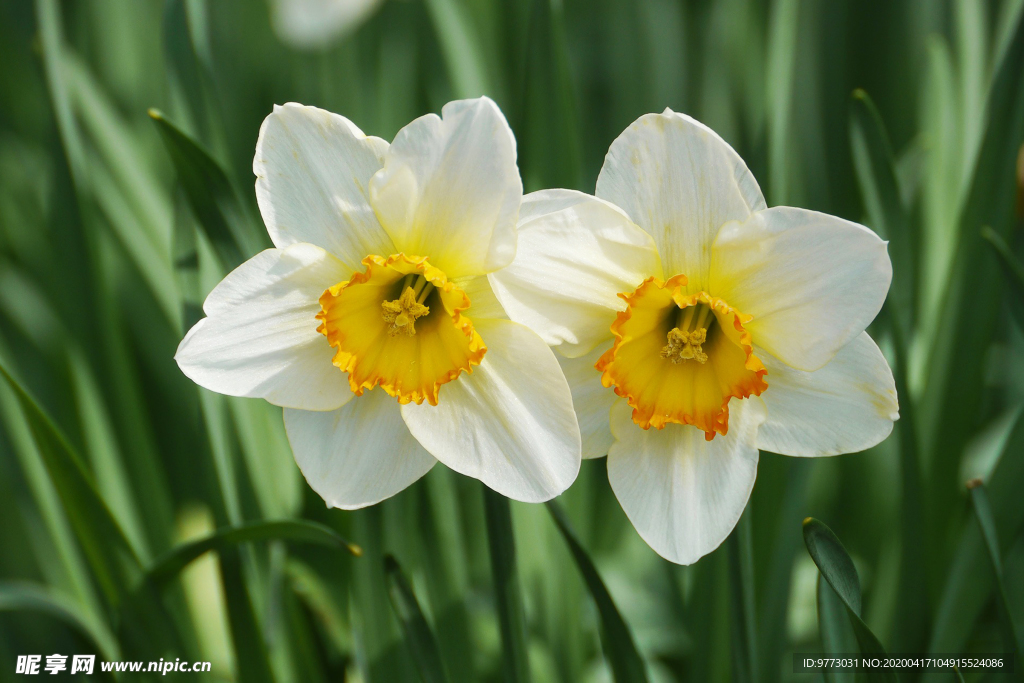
(379, 278)
(725, 325)
(306, 24)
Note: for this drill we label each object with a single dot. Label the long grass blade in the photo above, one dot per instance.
(507, 592)
(986, 520)
(1012, 268)
(834, 629)
(837, 569)
(876, 177)
(463, 53)
(110, 555)
(171, 564)
(616, 638)
(968, 587)
(22, 596)
(741, 596)
(418, 634)
(211, 195)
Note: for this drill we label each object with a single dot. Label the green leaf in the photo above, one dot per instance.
(986, 520)
(956, 365)
(781, 67)
(834, 629)
(968, 586)
(417, 631)
(210, 194)
(460, 45)
(65, 566)
(23, 596)
(171, 564)
(110, 555)
(440, 525)
(741, 597)
(876, 177)
(1013, 271)
(507, 592)
(837, 569)
(547, 131)
(616, 639)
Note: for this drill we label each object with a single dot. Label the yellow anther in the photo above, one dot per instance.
(685, 345)
(403, 313)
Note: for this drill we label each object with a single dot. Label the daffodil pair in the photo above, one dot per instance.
(407, 311)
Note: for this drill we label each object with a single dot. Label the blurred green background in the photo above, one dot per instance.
(114, 223)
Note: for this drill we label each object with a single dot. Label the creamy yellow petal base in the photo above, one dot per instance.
(663, 384)
(433, 348)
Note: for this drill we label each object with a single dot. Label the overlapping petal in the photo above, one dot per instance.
(483, 302)
(357, 455)
(684, 494)
(591, 400)
(510, 422)
(259, 338)
(450, 189)
(575, 255)
(679, 181)
(812, 282)
(312, 173)
(848, 405)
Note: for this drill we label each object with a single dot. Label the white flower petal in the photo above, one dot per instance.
(312, 170)
(482, 301)
(510, 423)
(308, 24)
(260, 339)
(683, 494)
(450, 189)
(812, 281)
(571, 263)
(592, 400)
(357, 455)
(848, 405)
(680, 182)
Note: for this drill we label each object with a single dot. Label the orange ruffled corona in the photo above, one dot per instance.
(680, 357)
(400, 325)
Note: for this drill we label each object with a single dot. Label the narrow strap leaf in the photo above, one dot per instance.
(112, 558)
(835, 630)
(24, 596)
(210, 194)
(170, 565)
(507, 594)
(1012, 268)
(616, 639)
(418, 633)
(837, 569)
(987, 522)
(876, 177)
(741, 598)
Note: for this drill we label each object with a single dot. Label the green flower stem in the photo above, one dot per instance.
(508, 596)
(741, 579)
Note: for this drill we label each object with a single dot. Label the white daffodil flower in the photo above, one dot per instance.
(307, 24)
(723, 324)
(372, 321)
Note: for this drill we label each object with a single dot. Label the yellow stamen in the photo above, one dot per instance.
(403, 312)
(685, 345)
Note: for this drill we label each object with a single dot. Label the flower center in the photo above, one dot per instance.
(401, 325)
(690, 332)
(680, 357)
(403, 312)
